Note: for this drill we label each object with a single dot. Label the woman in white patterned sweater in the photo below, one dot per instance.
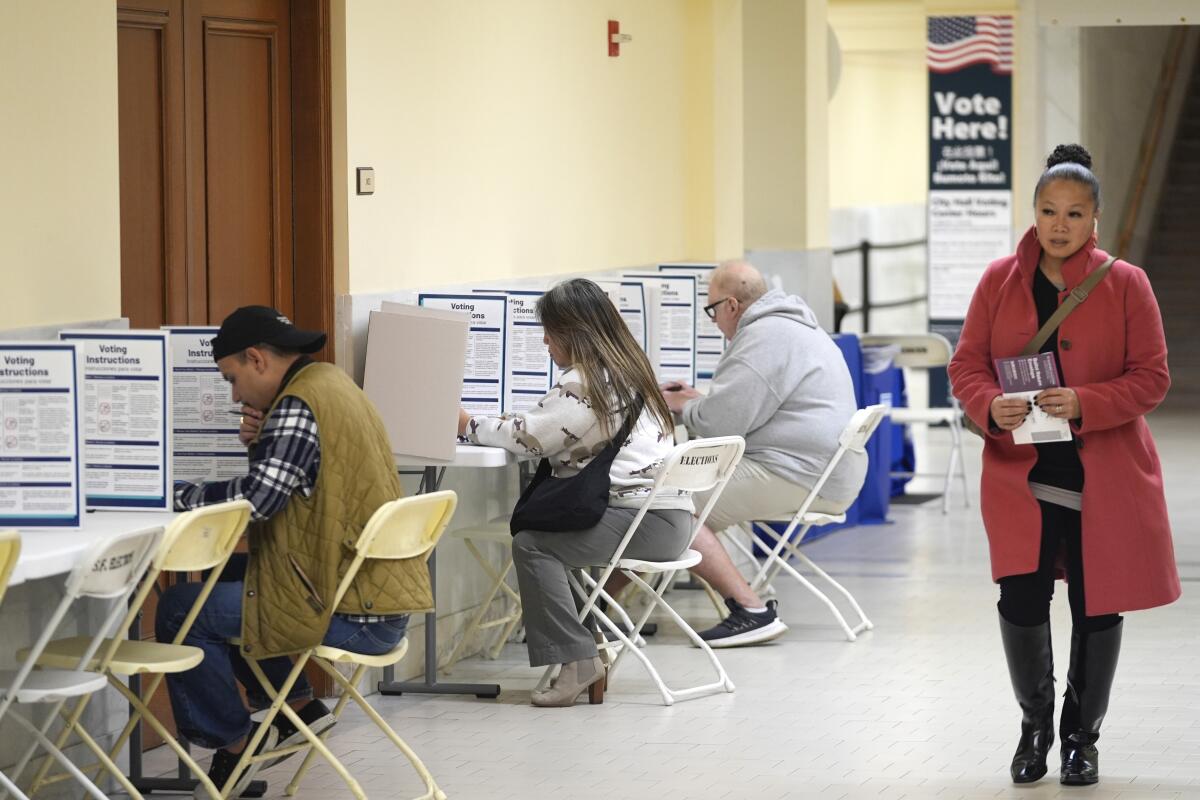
(605, 376)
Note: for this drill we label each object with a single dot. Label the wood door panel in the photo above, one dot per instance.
(239, 154)
(249, 261)
(150, 97)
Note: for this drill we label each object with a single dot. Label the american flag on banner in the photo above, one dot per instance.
(957, 42)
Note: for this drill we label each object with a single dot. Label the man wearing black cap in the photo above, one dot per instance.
(320, 465)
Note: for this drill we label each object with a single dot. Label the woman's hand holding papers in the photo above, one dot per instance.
(1060, 402)
(1009, 412)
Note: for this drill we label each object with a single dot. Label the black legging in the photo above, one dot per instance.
(1025, 599)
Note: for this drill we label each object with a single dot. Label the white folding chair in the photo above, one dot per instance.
(110, 570)
(406, 528)
(495, 532)
(926, 351)
(195, 541)
(697, 466)
(853, 438)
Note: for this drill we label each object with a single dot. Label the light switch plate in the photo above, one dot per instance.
(366, 180)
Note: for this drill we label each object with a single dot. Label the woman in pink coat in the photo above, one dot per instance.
(1093, 506)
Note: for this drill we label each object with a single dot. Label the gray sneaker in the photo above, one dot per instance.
(743, 628)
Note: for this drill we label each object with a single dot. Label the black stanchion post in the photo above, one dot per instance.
(866, 286)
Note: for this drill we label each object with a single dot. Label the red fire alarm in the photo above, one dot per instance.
(615, 38)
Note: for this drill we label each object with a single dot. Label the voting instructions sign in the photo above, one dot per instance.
(483, 372)
(39, 435)
(126, 405)
(204, 418)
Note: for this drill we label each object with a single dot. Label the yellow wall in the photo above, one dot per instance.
(506, 142)
(59, 213)
(786, 112)
(878, 145)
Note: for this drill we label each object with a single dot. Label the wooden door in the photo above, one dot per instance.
(237, 73)
(223, 201)
(154, 288)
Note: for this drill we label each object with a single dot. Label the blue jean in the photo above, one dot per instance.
(208, 709)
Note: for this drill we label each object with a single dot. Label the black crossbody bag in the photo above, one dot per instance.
(575, 503)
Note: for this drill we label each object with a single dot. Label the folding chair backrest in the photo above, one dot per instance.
(112, 569)
(108, 570)
(404, 528)
(10, 550)
(860, 427)
(700, 465)
(916, 351)
(204, 537)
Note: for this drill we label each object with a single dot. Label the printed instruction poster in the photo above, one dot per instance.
(126, 401)
(710, 342)
(630, 299)
(204, 418)
(672, 323)
(39, 435)
(483, 390)
(529, 371)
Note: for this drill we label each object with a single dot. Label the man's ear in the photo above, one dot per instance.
(257, 359)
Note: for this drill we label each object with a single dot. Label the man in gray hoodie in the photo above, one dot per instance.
(783, 385)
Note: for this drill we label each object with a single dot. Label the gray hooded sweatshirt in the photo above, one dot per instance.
(783, 385)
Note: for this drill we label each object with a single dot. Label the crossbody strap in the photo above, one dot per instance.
(1074, 298)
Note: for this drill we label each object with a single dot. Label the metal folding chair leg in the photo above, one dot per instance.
(141, 710)
(350, 692)
(58, 755)
(777, 562)
(278, 706)
(294, 785)
(11, 788)
(508, 621)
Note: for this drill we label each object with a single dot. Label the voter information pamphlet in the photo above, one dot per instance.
(1026, 377)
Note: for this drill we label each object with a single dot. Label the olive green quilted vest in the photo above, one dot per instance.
(298, 556)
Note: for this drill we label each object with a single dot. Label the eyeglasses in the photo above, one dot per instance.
(711, 309)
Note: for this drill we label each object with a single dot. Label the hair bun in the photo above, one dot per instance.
(1070, 154)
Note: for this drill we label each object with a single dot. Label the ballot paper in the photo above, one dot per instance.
(126, 405)
(39, 435)
(483, 384)
(1026, 377)
(710, 342)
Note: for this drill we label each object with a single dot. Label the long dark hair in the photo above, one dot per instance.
(582, 320)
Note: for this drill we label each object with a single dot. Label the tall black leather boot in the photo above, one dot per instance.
(1031, 668)
(1089, 684)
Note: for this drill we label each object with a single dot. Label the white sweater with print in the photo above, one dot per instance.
(563, 429)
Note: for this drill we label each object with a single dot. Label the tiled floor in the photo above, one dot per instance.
(918, 708)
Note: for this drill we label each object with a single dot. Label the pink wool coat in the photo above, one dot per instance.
(1113, 355)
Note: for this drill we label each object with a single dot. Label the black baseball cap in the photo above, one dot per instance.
(252, 325)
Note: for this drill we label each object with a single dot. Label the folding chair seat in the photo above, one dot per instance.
(853, 438)
(495, 532)
(198, 540)
(926, 351)
(696, 466)
(406, 528)
(110, 570)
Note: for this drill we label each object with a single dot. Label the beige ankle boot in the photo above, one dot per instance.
(573, 679)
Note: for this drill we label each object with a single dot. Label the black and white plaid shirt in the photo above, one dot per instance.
(283, 463)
